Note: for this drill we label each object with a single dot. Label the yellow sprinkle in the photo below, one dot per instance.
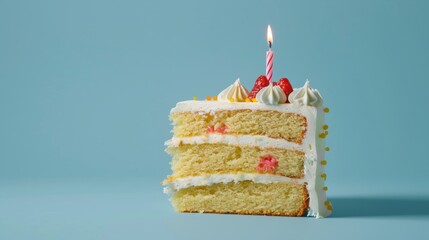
(232, 99)
(329, 207)
(247, 100)
(254, 100)
(195, 98)
(208, 98)
(324, 162)
(327, 203)
(323, 176)
(327, 149)
(215, 98)
(326, 110)
(322, 135)
(325, 127)
(325, 188)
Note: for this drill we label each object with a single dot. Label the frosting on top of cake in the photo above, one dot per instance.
(214, 106)
(271, 95)
(235, 92)
(306, 96)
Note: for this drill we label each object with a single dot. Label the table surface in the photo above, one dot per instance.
(137, 209)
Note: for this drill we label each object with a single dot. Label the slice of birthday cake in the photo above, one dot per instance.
(250, 153)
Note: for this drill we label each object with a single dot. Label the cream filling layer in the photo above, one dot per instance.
(238, 140)
(207, 180)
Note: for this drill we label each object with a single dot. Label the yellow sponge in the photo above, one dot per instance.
(218, 158)
(289, 126)
(246, 197)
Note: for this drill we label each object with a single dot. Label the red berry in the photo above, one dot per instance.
(267, 164)
(222, 129)
(210, 129)
(260, 83)
(285, 85)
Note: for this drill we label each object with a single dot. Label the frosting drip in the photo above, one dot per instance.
(236, 92)
(306, 96)
(271, 95)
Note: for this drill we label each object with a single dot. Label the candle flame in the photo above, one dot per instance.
(269, 36)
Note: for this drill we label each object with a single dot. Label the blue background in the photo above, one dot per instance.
(86, 88)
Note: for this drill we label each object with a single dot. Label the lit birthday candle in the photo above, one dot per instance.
(270, 55)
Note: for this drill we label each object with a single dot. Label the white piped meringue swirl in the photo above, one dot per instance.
(235, 92)
(306, 96)
(271, 95)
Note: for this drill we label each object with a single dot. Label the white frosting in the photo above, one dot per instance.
(214, 106)
(239, 140)
(271, 95)
(306, 96)
(207, 180)
(312, 146)
(235, 91)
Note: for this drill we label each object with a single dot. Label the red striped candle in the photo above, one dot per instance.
(269, 65)
(270, 55)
